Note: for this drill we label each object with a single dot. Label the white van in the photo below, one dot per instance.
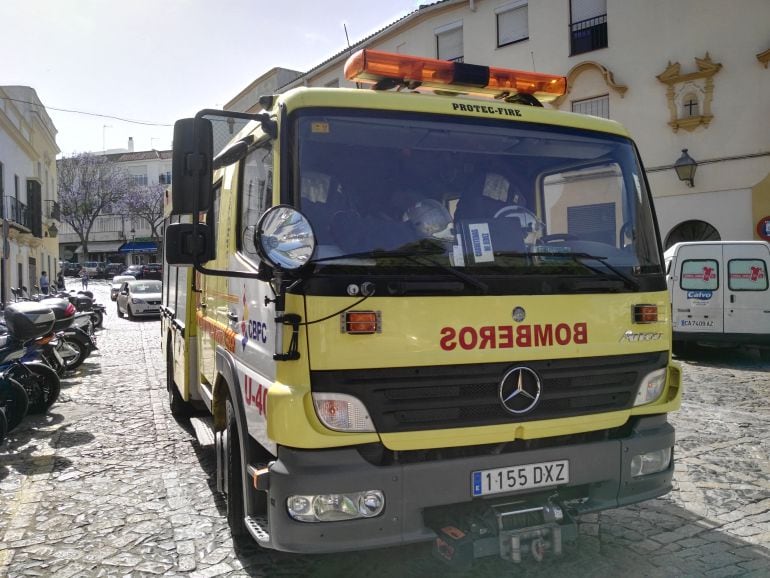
(719, 293)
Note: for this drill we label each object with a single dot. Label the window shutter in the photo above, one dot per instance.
(512, 25)
(585, 9)
(450, 44)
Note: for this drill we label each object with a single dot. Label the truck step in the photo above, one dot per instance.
(204, 430)
(257, 527)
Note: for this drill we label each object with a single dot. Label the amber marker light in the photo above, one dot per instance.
(361, 322)
(645, 313)
(375, 66)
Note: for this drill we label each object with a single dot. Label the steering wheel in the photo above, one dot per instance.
(513, 210)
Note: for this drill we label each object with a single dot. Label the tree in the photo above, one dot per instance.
(89, 185)
(147, 203)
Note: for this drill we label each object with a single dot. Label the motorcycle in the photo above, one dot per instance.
(14, 403)
(84, 302)
(30, 326)
(75, 339)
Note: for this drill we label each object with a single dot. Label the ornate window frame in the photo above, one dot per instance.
(680, 85)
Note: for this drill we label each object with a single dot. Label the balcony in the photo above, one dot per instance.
(588, 35)
(52, 210)
(16, 212)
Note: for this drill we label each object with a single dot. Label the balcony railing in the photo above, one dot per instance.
(52, 210)
(17, 212)
(588, 35)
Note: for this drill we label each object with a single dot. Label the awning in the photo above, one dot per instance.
(139, 247)
(100, 247)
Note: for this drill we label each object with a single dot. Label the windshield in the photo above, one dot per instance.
(488, 199)
(148, 287)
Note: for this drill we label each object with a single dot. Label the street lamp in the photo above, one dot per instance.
(685, 168)
(133, 240)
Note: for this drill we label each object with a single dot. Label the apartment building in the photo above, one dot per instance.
(121, 238)
(689, 79)
(29, 205)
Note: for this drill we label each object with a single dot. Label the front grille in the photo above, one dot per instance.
(437, 397)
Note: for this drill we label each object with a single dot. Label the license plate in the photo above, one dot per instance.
(525, 477)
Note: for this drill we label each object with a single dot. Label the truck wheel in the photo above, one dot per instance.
(234, 472)
(179, 407)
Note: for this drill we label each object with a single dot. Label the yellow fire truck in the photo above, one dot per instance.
(430, 311)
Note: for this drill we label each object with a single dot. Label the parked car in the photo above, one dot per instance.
(133, 270)
(69, 269)
(115, 269)
(152, 271)
(92, 268)
(139, 298)
(116, 283)
(147, 271)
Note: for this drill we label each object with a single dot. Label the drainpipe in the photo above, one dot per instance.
(472, 5)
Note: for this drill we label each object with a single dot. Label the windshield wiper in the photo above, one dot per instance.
(580, 257)
(418, 252)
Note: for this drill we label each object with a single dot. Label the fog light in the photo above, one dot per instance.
(650, 463)
(336, 507)
(651, 387)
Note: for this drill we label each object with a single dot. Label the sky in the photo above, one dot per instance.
(155, 61)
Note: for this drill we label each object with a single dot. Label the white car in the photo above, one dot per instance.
(139, 298)
(116, 282)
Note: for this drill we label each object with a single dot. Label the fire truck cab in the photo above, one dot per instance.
(432, 311)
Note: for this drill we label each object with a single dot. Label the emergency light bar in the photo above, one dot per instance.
(386, 70)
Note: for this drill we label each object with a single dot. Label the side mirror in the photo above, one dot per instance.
(191, 165)
(184, 248)
(284, 238)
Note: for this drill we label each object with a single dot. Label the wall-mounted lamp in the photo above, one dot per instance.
(685, 168)
(53, 230)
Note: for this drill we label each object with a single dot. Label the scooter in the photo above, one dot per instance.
(26, 323)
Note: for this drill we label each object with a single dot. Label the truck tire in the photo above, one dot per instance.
(234, 472)
(180, 408)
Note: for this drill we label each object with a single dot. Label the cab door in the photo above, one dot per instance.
(747, 296)
(697, 290)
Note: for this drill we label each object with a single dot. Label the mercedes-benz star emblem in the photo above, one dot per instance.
(520, 390)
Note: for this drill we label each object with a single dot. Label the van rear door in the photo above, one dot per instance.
(747, 296)
(697, 289)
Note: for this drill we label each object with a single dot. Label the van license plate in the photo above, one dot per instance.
(525, 477)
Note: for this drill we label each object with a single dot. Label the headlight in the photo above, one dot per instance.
(650, 387)
(336, 507)
(650, 463)
(136, 301)
(342, 412)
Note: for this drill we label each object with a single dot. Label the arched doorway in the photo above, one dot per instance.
(692, 231)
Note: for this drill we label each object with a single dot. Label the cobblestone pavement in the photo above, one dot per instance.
(109, 484)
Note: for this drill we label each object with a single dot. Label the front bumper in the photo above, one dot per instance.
(599, 473)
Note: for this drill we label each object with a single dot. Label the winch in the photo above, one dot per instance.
(513, 530)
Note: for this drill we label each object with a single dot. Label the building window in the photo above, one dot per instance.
(690, 106)
(164, 178)
(588, 25)
(140, 180)
(512, 22)
(449, 42)
(597, 106)
(333, 83)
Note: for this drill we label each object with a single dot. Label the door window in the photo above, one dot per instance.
(747, 275)
(700, 275)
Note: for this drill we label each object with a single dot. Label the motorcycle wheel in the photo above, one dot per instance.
(75, 361)
(14, 400)
(41, 383)
(98, 318)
